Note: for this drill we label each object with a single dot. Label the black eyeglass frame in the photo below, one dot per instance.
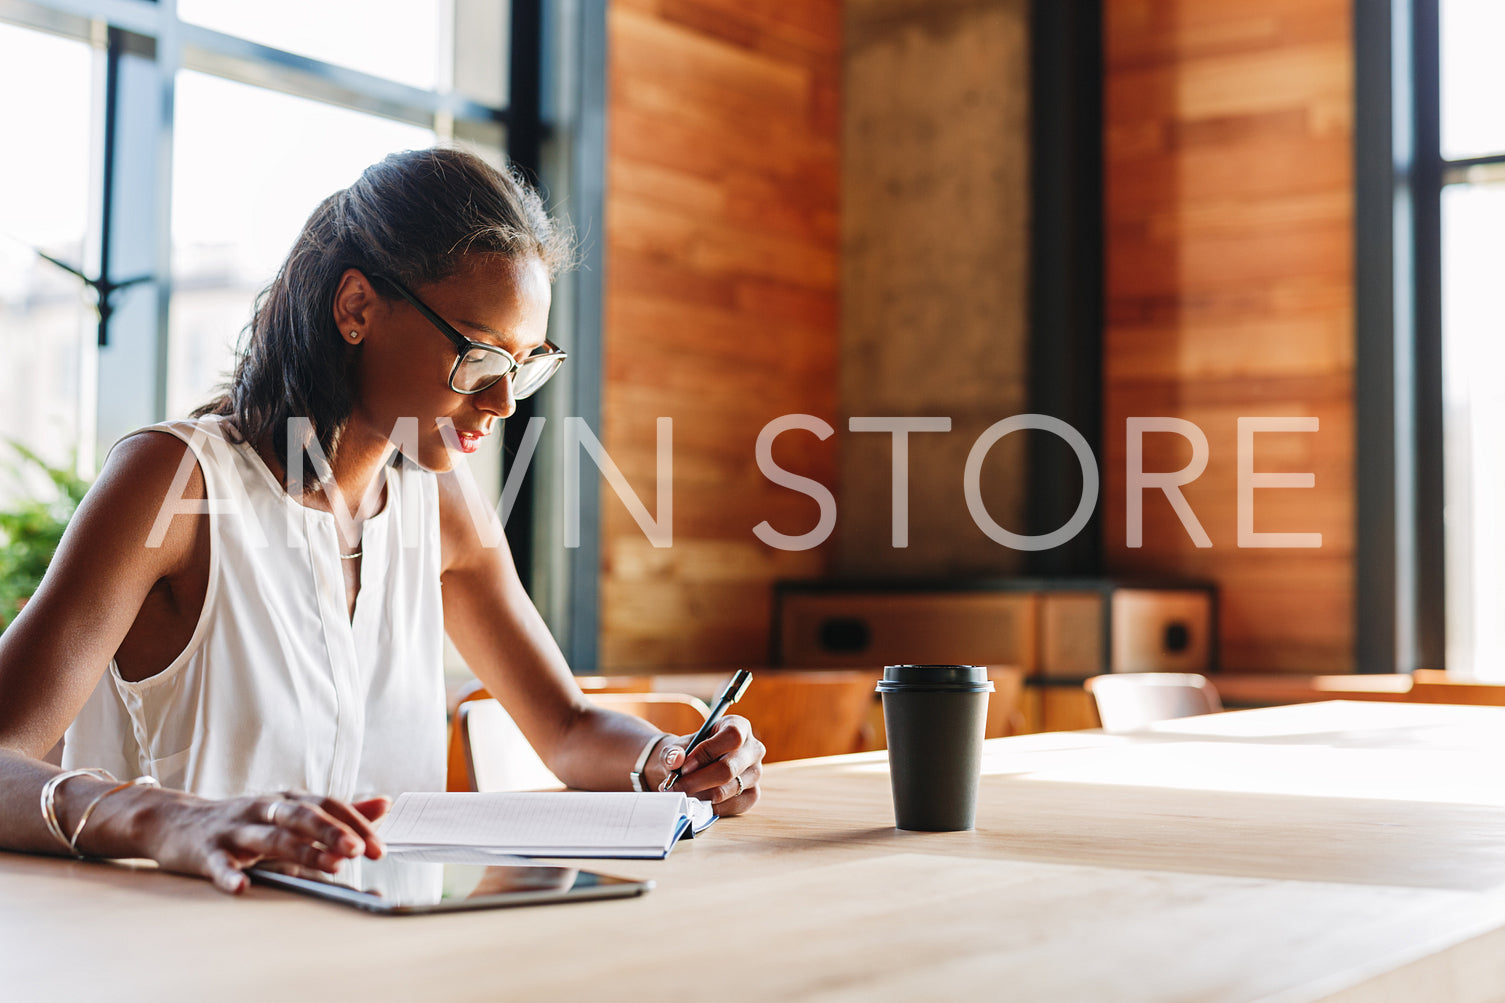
(464, 346)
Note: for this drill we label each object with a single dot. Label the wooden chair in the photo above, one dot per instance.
(801, 714)
(615, 684)
(1006, 704)
(494, 755)
(1127, 701)
(488, 752)
(1435, 686)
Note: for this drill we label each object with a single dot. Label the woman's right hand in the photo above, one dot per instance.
(220, 839)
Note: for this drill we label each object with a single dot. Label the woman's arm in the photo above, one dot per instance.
(499, 632)
(53, 654)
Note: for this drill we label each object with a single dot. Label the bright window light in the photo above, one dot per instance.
(1473, 344)
(46, 325)
(1471, 122)
(240, 197)
(1473, 348)
(403, 40)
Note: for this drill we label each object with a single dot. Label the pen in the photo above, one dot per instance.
(729, 695)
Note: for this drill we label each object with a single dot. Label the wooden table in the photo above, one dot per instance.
(1344, 850)
(1267, 689)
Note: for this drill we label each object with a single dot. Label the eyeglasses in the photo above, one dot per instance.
(479, 366)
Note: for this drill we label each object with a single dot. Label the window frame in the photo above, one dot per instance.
(1433, 173)
(554, 129)
(1400, 601)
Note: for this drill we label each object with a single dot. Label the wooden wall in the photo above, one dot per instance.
(1229, 222)
(721, 310)
(935, 276)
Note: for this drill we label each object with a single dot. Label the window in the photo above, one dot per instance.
(274, 106)
(1472, 140)
(183, 144)
(226, 249)
(1429, 211)
(409, 41)
(46, 327)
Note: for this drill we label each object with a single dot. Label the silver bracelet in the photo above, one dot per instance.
(49, 800)
(636, 776)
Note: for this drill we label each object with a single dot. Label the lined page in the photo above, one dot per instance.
(536, 821)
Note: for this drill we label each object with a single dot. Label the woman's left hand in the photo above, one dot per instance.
(725, 769)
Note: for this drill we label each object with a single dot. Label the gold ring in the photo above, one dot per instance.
(740, 786)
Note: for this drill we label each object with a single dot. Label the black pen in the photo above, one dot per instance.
(730, 695)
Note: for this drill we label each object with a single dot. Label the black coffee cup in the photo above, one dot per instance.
(935, 716)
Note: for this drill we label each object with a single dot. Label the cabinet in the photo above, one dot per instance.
(1058, 632)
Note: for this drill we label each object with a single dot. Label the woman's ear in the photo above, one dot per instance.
(355, 302)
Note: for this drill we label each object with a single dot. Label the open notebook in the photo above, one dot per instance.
(543, 824)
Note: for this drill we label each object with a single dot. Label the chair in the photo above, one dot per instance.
(676, 713)
(615, 684)
(1436, 686)
(1129, 701)
(495, 756)
(488, 752)
(802, 714)
(1005, 705)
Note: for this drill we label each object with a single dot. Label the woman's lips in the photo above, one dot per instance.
(470, 441)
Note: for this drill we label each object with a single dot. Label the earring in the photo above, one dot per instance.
(354, 337)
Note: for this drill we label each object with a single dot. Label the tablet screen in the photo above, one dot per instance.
(397, 886)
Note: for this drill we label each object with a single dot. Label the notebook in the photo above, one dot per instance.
(543, 823)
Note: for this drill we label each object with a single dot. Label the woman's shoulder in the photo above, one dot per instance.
(181, 445)
(158, 462)
(148, 464)
(189, 432)
(146, 474)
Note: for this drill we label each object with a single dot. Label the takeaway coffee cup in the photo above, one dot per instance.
(935, 716)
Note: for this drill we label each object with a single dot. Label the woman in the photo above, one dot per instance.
(217, 620)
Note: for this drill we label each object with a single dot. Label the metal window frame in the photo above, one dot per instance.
(587, 168)
(1399, 600)
(208, 51)
(565, 580)
(525, 153)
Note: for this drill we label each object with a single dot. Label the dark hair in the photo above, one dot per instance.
(414, 217)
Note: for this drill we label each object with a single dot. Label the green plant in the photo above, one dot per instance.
(30, 530)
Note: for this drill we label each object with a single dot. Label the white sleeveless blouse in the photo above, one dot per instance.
(279, 688)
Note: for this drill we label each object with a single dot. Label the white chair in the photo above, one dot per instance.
(497, 756)
(1128, 701)
(489, 753)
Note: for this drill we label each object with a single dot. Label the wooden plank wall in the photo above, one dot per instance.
(722, 235)
(1229, 222)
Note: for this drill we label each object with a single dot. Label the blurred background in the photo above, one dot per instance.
(1091, 209)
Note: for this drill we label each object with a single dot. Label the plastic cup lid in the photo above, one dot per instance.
(967, 678)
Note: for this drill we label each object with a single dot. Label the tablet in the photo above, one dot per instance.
(397, 887)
